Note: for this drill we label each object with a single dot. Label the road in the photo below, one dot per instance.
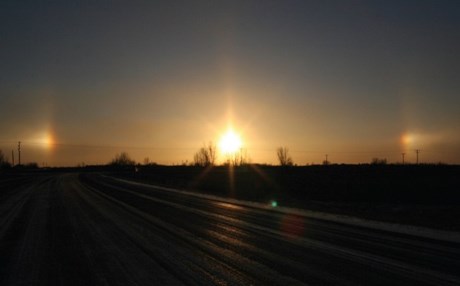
(90, 229)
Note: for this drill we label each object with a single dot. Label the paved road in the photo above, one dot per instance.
(88, 229)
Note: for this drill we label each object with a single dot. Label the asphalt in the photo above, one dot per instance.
(90, 229)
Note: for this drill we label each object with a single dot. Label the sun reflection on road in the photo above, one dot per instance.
(229, 206)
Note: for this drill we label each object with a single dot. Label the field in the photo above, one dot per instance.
(422, 195)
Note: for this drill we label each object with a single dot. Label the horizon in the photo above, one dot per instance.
(223, 161)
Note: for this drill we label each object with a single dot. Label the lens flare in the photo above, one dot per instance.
(293, 226)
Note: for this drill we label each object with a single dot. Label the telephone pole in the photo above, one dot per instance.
(19, 152)
(12, 157)
(403, 154)
(417, 151)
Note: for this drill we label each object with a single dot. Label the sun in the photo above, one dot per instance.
(230, 143)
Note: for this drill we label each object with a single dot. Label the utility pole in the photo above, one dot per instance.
(417, 151)
(12, 156)
(403, 154)
(19, 152)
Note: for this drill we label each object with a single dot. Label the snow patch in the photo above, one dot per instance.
(450, 236)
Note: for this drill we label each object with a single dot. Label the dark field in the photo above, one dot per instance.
(422, 195)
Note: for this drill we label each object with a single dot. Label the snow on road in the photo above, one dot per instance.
(437, 234)
(89, 229)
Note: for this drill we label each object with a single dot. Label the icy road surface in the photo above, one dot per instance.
(89, 229)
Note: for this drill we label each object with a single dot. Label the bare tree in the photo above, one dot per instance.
(239, 158)
(122, 159)
(205, 156)
(3, 160)
(378, 161)
(283, 156)
(211, 153)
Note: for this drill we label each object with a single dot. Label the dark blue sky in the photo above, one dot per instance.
(354, 79)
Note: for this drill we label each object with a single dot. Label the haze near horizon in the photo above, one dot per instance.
(82, 81)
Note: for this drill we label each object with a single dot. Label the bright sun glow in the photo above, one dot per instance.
(48, 142)
(230, 143)
(44, 140)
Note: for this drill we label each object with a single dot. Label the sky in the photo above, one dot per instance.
(81, 81)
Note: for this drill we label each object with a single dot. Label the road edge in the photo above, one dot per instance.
(425, 232)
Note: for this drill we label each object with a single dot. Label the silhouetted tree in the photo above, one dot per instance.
(283, 156)
(3, 160)
(32, 165)
(205, 156)
(378, 161)
(239, 158)
(122, 159)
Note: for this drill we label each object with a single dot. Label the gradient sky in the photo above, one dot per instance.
(83, 80)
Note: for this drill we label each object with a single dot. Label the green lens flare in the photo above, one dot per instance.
(274, 204)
